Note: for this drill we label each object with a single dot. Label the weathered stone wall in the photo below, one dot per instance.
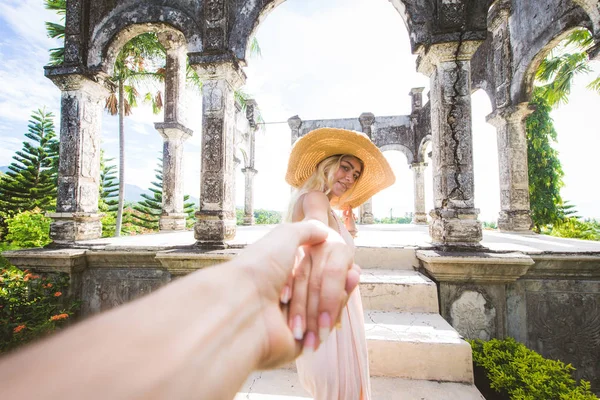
(553, 308)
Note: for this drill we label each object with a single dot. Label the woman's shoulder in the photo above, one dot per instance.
(314, 197)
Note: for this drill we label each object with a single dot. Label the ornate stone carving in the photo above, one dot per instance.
(215, 38)
(473, 316)
(566, 326)
(212, 149)
(215, 10)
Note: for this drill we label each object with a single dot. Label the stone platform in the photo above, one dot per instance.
(400, 235)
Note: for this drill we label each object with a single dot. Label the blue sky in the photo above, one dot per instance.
(333, 59)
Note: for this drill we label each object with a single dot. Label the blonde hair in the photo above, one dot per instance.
(321, 180)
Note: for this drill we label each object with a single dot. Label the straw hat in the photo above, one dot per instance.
(321, 143)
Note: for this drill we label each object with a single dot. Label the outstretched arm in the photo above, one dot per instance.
(198, 337)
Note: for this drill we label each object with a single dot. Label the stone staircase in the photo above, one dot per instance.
(413, 352)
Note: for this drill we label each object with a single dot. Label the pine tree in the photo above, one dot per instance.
(109, 185)
(31, 180)
(149, 210)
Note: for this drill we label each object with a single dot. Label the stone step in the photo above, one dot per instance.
(283, 384)
(416, 346)
(398, 290)
(386, 257)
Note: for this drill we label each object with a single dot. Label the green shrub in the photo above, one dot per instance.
(29, 229)
(575, 228)
(523, 374)
(268, 217)
(31, 306)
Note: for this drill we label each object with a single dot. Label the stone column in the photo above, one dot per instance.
(249, 173)
(420, 216)
(366, 212)
(173, 217)
(173, 132)
(366, 121)
(295, 123)
(416, 95)
(454, 215)
(512, 159)
(76, 217)
(215, 220)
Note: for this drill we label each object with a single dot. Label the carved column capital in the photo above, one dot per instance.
(229, 71)
(366, 122)
(440, 53)
(171, 39)
(249, 171)
(97, 86)
(501, 116)
(295, 123)
(416, 95)
(173, 130)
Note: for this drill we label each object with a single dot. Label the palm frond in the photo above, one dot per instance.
(112, 104)
(581, 38)
(255, 50)
(54, 30)
(594, 85)
(192, 78)
(60, 6)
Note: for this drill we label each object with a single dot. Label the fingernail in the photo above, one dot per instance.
(298, 333)
(309, 343)
(285, 295)
(324, 326)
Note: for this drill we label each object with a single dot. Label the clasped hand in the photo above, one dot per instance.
(307, 267)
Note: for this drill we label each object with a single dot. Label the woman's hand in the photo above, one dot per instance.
(350, 221)
(324, 276)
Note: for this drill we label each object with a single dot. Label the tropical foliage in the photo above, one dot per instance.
(545, 170)
(150, 209)
(549, 212)
(31, 180)
(523, 374)
(32, 306)
(569, 59)
(29, 229)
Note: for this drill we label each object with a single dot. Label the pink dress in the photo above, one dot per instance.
(339, 370)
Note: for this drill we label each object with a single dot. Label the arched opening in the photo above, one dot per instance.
(485, 160)
(575, 120)
(395, 204)
(319, 61)
(144, 146)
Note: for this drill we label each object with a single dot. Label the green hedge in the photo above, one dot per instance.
(523, 374)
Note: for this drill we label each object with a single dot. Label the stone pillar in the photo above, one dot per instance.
(249, 173)
(295, 123)
(420, 216)
(416, 95)
(173, 217)
(366, 212)
(366, 209)
(366, 123)
(82, 100)
(215, 220)
(454, 215)
(512, 159)
(173, 132)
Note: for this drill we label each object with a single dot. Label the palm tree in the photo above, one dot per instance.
(130, 71)
(567, 60)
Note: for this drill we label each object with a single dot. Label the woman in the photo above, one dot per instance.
(333, 168)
